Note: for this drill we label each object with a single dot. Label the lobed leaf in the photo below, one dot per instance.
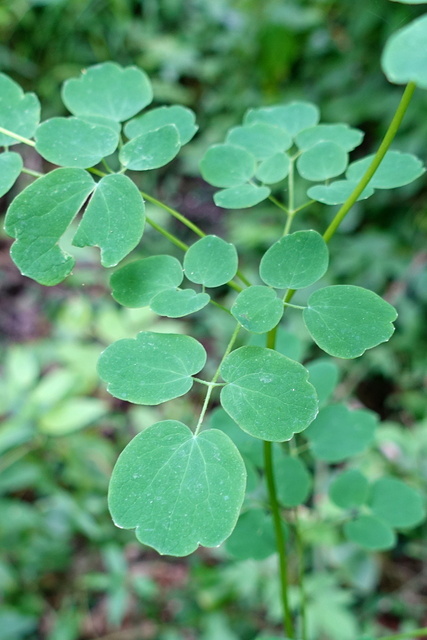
(293, 480)
(136, 284)
(396, 170)
(337, 192)
(176, 303)
(268, 395)
(340, 134)
(10, 167)
(396, 503)
(226, 165)
(152, 368)
(253, 536)
(211, 261)
(182, 117)
(151, 150)
(257, 309)
(293, 117)
(260, 139)
(108, 90)
(404, 58)
(273, 169)
(177, 490)
(322, 161)
(350, 489)
(370, 533)
(242, 197)
(19, 111)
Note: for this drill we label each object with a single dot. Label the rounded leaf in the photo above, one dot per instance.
(151, 150)
(19, 111)
(295, 261)
(341, 134)
(338, 433)
(345, 320)
(108, 90)
(324, 376)
(293, 481)
(293, 117)
(152, 368)
(337, 192)
(250, 448)
(260, 139)
(258, 309)
(242, 197)
(268, 395)
(136, 284)
(397, 503)
(404, 58)
(10, 168)
(179, 491)
(253, 536)
(72, 142)
(274, 169)
(211, 262)
(395, 170)
(322, 161)
(226, 165)
(349, 489)
(182, 117)
(370, 533)
(176, 303)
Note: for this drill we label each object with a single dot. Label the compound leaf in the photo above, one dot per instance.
(176, 303)
(396, 170)
(39, 216)
(258, 309)
(396, 503)
(295, 261)
(274, 168)
(151, 150)
(324, 376)
(322, 161)
(345, 320)
(338, 433)
(242, 197)
(337, 192)
(349, 489)
(341, 134)
(211, 261)
(114, 219)
(404, 58)
(182, 117)
(268, 395)
(260, 139)
(108, 90)
(19, 111)
(253, 536)
(226, 165)
(370, 533)
(293, 117)
(179, 491)
(136, 284)
(10, 168)
(293, 481)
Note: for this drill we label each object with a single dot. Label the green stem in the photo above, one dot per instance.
(176, 241)
(30, 172)
(303, 596)
(294, 306)
(407, 634)
(291, 211)
(212, 383)
(278, 204)
(175, 214)
(16, 136)
(376, 161)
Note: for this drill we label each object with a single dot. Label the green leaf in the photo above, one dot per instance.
(108, 90)
(322, 161)
(177, 490)
(293, 117)
(338, 433)
(268, 395)
(370, 533)
(324, 376)
(183, 119)
(295, 261)
(136, 284)
(10, 168)
(260, 139)
(152, 368)
(258, 309)
(225, 165)
(39, 216)
(396, 170)
(114, 219)
(253, 536)
(151, 150)
(72, 142)
(71, 415)
(273, 169)
(404, 58)
(341, 134)
(251, 448)
(211, 261)
(398, 504)
(410, 1)
(176, 303)
(287, 343)
(293, 481)
(337, 192)
(19, 111)
(247, 195)
(345, 320)
(349, 489)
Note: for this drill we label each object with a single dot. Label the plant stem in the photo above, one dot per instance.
(407, 634)
(30, 172)
(376, 161)
(291, 211)
(294, 306)
(303, 597)
(175, 214)
(176, 241)
(212, 383)
(16, 136)
(278, 204)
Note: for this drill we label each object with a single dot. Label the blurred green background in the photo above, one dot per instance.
(66, 573)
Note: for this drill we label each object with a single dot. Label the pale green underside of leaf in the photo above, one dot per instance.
(341, 134)
(114, 219)
(151, 150)
(322, 161)
(177, 490)
(398, 504)
(10, 168)
(338, 433)
(253, 536)
(404, 58)
(19, 111)
(349, 489)
(227, 165)
(176, 303)
(136, 284)
(345, 320)
(324, 376)
(151, 369)
(257, 309)
(211, 261)
(396, 170)
(242, 197)
(370, 533)
(260, 139)
(182, 117)
(293, 117)
(337, 192)
(268, 395)
(273, 169)
(108, 90)
(39, 216)
(293, 481)
(295, 261)
(72, 142)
